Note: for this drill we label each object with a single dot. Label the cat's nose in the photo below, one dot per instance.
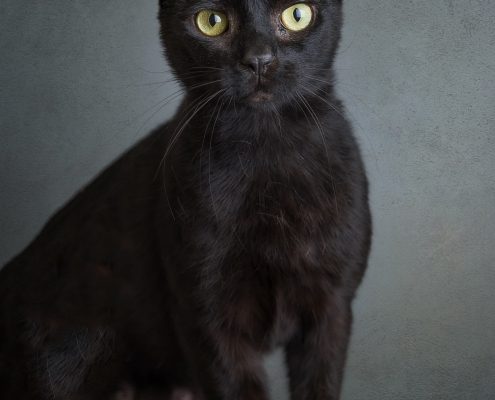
(258, 63)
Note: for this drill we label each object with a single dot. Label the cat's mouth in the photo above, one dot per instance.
(260, 90)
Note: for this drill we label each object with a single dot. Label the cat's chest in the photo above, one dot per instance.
(273, 247)
(267, 212)
(278, 221)
(273, 187)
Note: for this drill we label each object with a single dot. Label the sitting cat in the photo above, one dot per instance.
(241, 225)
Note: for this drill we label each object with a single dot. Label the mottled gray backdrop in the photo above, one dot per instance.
(78, 85)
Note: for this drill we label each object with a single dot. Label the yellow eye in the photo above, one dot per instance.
(297, 17)
(212, 23)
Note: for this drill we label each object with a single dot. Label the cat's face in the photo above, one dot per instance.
(258, 52)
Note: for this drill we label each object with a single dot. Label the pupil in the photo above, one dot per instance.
(297, 14)
(214, 19)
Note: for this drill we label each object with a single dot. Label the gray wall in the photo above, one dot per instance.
(418, 78)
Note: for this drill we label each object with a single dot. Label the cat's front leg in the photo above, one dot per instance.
(316, 355)
(240, 369)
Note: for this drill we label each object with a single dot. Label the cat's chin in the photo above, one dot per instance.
(260, 97)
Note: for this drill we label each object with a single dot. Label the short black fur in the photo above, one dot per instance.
(255, 233)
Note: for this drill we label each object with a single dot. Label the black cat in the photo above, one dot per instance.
(253, 234)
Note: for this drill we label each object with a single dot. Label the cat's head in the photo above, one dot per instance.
(256, 51)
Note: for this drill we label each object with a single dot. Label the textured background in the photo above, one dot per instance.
(78, 86)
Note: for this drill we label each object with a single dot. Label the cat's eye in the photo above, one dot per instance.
(211, 23)
(297, 17)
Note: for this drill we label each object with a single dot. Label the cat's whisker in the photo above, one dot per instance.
(202, 103)
(320, 80)
(333, 82)
(197, 102)
(320, 129)
(173, 96)
(200, 72)
(171, 80)
(359, 126)
(207, 67)
(185, 115)
(200, 85)
(181, 83)
(138, 85)
(332, 106)
(329, 69)
(204, 137)
(172, 71)
(318, 68)
(187, 112)
(277, 114)
(167, 100)
(206, 272)
(161, 104)
(209, 159)
(191, 74)
(167, 71)
(195, 75)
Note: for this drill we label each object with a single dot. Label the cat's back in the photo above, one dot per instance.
(91, 250)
